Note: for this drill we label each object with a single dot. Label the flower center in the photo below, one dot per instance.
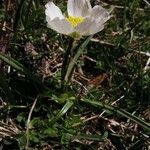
(74, 20)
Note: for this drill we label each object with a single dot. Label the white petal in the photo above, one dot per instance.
(84, 27)
(52, 11)
(96, 28)
(89, 27)
(61, 26)
(78, 8)
(99, 14)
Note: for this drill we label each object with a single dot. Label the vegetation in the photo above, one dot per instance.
(106, 102)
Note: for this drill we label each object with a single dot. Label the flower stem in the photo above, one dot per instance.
(78, 51)
(66, 59)
(71, 56)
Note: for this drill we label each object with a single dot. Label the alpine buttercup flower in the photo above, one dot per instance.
(81, 20)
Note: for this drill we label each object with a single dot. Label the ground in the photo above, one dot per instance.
(106, 104)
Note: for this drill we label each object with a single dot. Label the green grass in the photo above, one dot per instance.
(105, 105)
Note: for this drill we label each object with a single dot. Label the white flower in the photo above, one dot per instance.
(82, 19)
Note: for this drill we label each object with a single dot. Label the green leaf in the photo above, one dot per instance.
(90, 137)
(18, 14)
(15, 64)
(80, 50)
(66, 107)
(34, 137)
(66, 137)
(121, 112)
(5, 87)
(19, 67)
(51, 131)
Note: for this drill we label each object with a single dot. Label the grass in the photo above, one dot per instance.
(106, 104)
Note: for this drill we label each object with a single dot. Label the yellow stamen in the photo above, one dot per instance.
(74, 20)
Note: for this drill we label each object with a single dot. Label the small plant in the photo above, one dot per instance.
(68, 83)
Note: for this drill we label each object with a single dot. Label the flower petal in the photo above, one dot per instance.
(89, 27)
(99, 14)
(78, 8)
(96, 28)
(84, 27)
(61, 26)
(52, 11)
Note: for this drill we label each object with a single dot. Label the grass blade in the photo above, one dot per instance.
(75, 58)
(18, 14)
(121, 112)
(66, 107)
(5, 87)
(19, 67)
(10, 61)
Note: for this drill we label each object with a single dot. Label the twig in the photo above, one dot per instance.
(3, 104)
(147, 65)
(113, 45)
(112, 104)
(147, 2)
(89, 58)
(121, 7)
(5, 27)
(102, 42)
(85, 89)
(9, 129)
(81, 76)
(91, 118)
(28, 125)
(143, 53)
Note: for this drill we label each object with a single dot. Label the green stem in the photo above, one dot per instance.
(66, 59)
(71, 56)
(73, 61)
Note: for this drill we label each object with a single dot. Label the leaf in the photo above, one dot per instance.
(15, 64)
(116, 141)
(90, 137)
(80, 50)
(66, 107)
(34, 137)
(138, 144)
(5, 87)
(19, 67)
(68, 137)
(18, 14)
(121, 112)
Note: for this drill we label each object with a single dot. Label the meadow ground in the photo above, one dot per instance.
(106, 103)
